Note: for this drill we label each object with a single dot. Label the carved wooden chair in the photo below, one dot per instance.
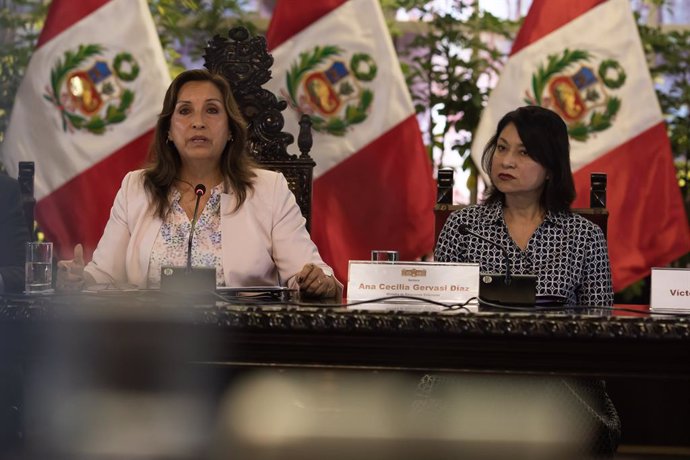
(245, 62)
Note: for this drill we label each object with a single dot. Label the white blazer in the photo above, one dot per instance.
(264, 243)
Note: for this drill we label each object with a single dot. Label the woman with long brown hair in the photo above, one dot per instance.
(249, 228)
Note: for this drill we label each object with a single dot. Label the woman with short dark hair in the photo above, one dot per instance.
(527, 212)
(545, 138)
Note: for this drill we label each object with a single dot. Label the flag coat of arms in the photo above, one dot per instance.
(84, 112)
(373, 187)
(585, 61)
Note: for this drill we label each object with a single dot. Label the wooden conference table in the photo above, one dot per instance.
(593, 343)
(140, 340)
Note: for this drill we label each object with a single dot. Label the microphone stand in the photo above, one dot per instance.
(462, 228)
(521, 292)
(188, 280)
(199, 191)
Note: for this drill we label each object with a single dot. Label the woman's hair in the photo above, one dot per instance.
(545, 137)
(164, 167)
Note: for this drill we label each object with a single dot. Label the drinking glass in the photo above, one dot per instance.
(39, 267)
(378, 255)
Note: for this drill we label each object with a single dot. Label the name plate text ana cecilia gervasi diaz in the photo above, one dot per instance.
(439, 281)
(670, 289)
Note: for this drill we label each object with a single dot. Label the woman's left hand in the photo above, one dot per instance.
(313, 282)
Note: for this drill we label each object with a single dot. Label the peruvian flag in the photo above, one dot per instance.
(585, 60)
(84, 113)
(373, 188)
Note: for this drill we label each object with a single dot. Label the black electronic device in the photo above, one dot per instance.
(249, 294)
(520, 292)
(504, 289)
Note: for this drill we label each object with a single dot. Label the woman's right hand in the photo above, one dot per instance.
(70, 273)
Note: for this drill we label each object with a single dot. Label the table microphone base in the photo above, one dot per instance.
(520, 292)
(179, 280)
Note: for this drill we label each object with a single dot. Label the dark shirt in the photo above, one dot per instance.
(567, 252)
(13, 234)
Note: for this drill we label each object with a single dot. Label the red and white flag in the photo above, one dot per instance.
(373, 188)
(585, 60)
(84, 112)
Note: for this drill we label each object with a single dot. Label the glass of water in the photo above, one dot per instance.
(378, 255)
(39, 267)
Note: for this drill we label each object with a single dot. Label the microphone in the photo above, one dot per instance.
(520, 290)
(189, 280)
(464, 230)
(199, 191)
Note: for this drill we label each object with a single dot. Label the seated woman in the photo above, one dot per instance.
(527, 212)
(249, 227)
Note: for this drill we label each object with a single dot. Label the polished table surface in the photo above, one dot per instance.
(261, 333)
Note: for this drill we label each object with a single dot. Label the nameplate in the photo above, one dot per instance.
(670, 289)
(439, 281)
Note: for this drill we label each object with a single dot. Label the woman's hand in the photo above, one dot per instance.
(313, 282)
(70, 273)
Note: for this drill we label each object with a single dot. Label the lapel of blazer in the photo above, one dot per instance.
(227, 204)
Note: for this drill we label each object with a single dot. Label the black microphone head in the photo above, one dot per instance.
(200, 190)
(462, 228)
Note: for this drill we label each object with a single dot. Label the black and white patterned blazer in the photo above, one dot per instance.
(567, 252)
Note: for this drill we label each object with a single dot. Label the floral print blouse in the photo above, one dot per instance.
(170, 247)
